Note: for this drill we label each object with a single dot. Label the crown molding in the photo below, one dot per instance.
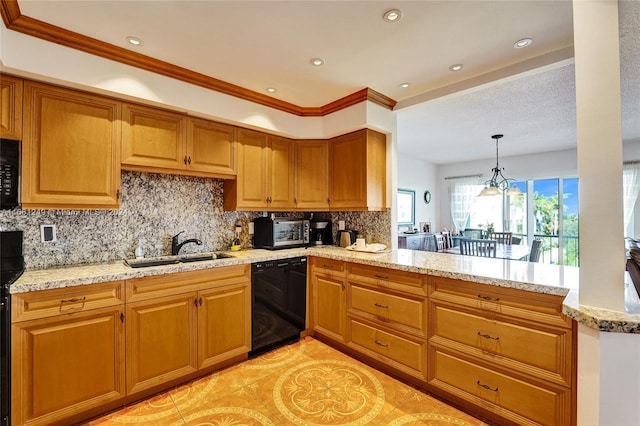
(15, 21)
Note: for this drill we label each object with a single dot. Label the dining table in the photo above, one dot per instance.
(503, 251)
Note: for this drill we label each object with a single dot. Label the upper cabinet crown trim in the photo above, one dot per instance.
(16, 21)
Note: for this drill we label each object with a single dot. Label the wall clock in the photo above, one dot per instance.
(427, 196)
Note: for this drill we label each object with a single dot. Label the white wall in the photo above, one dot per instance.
(420, 175)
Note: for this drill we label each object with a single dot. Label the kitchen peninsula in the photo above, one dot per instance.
(444, 294)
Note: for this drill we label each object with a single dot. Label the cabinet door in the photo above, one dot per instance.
(249, 189)
(358, 171)
(10, 107)
(328, 305)
(281, 173)
(71, 149)
(211, 148)
(312, 175)
(161, 340)
(224, 323)
(67, 364)
(153, 138)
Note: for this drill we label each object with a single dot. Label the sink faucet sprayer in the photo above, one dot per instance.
(175, 247)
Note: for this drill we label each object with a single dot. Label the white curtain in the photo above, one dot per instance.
(631, 188)
(462, 192)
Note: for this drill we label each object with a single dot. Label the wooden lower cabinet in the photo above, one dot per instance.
(161, 340)
(328, 305)
(504, 354)
(67, 364)
(508, 354)
(401, 352)
(521, 400)
(171, 336)
(80, 351)
(224, 323)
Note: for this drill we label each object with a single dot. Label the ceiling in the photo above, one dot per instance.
(443, 116)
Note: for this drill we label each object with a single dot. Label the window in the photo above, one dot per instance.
(406, 207)
(548, 210)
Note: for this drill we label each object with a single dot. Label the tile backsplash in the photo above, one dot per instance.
(153, 208)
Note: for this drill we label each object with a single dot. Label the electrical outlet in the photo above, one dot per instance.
(48, 234)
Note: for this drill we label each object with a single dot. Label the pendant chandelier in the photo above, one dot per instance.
(498, 183)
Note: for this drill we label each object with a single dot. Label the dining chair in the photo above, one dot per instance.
(473, 233)
(439, 242)
(536, 248)
(448, 241)
(501, 237)
(478, 247)
(515, 240)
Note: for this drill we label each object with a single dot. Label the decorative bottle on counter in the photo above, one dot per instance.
(139, 251)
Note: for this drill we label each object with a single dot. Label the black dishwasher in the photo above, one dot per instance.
(278, 303)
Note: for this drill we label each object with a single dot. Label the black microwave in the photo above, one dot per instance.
(9, 173)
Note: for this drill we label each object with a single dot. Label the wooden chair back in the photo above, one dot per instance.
(501, 237)
(439, 242)
(475, 247)
(448, 241)
(536, 248)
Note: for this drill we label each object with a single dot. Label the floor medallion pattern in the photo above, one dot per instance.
(305, 383)
(328, 392)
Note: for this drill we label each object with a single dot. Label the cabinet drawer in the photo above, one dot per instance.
(170, 284)
(527, 305)
(328, 266)
(522, 402)
(404, 354)
(409, 282)
(60, 301)
(545, 352)
(409, 314)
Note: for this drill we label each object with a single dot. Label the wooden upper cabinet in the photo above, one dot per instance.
(10, 107)
(281, 179)
(249, 190)
(70, 149)
(211, 147)
(358, 171)
(312, 174)
(153, 138)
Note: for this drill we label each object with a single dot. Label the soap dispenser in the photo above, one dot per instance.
(139, 252)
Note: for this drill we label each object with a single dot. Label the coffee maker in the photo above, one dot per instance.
(321, 233)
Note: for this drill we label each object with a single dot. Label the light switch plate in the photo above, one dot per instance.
(48, 233)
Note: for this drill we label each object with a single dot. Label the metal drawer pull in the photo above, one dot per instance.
(384, 345)
(75, 299)
(486, 336)
(381, 306)
(327, 266)
(487, 387)
(488, 298)
(384, 277)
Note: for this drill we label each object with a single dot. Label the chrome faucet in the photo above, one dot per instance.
(175, 247)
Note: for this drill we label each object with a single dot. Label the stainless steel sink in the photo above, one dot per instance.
(143, 263)
(196, 257)
(171, 260)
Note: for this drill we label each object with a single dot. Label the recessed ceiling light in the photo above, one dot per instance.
(522, 43)
(316, 62)
(405, 85)
(134, 40)
(271, 89)
(392, 15)
(455, 67)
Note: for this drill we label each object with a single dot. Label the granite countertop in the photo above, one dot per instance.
(536, 277)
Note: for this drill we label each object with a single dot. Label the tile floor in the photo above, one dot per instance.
(306, 383)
